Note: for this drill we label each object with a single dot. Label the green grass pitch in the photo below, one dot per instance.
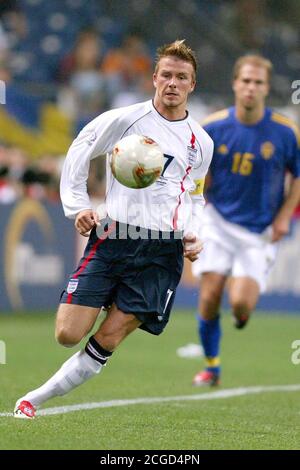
(147, 366)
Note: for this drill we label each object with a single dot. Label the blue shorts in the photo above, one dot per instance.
(139, 275)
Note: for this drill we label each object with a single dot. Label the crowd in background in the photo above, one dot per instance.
(88, 57)
(39, 179)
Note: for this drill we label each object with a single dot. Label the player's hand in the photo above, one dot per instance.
(280, 228)
(192, 246)
(85, 221)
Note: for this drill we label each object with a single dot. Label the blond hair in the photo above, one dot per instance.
(177, 49)
(256, 61)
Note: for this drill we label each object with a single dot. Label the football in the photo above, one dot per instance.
(137, 161)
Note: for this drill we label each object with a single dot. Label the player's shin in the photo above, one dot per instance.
(210, 335)
(75, 371)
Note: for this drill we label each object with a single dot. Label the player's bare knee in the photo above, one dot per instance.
(66, 338)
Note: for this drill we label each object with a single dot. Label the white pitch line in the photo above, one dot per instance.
(227, 393)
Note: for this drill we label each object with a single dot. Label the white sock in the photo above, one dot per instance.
(75, 371)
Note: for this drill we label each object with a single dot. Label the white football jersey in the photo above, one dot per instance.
(165, 205)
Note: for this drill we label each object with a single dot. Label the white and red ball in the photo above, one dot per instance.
(137, 161)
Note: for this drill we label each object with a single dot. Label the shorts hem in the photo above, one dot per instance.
(152, 327)
(82, 302)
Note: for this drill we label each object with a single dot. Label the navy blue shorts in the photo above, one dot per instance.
(139, 275)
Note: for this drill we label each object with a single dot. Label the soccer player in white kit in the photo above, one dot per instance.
(134, 257)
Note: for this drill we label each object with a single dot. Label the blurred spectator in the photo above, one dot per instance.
(8, 190)
(40, 185)
(8, 6)
(142, 91)
(14, 19)
(32, 184)
(5, 75)
(126, 66)
(49, 164)
(19, 179)
(18, 162)
(250, 19)
(85, 56)
(7, 194)
(49, 169)
(84, 94)
(3, 45)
